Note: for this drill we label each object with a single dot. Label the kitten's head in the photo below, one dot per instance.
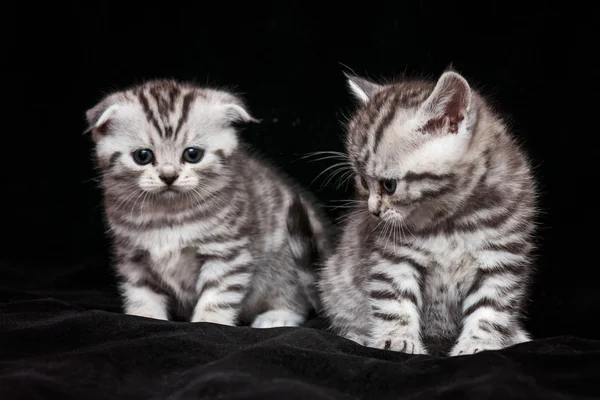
(405, 143)
(165, 139)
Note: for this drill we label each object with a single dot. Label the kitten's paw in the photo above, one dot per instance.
(360, 339)
(406, 344)
(147, 313)
(471, 346)
(214, 318)
(277, 318)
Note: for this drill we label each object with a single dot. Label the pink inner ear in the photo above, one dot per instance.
(454, 111)
(447, 108)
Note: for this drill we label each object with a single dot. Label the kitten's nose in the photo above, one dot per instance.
(374, 205)
(168, 179)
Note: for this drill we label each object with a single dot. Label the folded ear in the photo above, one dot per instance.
(237, 113)
(99, 116)
(448, 105)
(235, 109)
(361, 88)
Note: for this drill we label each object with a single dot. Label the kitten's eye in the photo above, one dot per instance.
(143, 156)
(389, 185)
(364, 183)
(193, 155)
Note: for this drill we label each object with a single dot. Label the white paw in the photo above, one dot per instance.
(213, 319)
(148, 313)
(406, 344)
(472, 346)
(277, 318)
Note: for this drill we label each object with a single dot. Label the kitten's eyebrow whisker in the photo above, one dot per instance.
(338, 165)
(333, 153)
(337, 171)
(346, 176)
(330, 158)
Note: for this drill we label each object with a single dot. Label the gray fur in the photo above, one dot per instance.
(442, 263)
(231, 240)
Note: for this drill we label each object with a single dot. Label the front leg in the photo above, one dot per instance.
(143, 293)
(222, 285)
(490, 312)
(396, 299)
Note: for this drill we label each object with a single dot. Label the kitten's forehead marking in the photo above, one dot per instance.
(376, 140)
(166, 107)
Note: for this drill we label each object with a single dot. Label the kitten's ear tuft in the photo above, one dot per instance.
(99, 116)
(450, 68)
(448, 105)
(361, 88)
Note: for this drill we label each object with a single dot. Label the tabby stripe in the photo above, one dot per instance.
(382, 278)
(173, 95)
(486, 302)
(483, 274)
(488, 326)
(235, 288)
(214, 307)
(185, 110)
(516, 248)
(430, 194)
(421, 269)
(122, 217)
(382, 295)
(427, 194)
(386, 120)
(215, 283)
(163, 110)
(113, 159)
(402, 319)
(415, 177)
(373, 112)
(154, 284)
(149, 114)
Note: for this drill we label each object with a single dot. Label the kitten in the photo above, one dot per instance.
(203, 231)
(437, 259)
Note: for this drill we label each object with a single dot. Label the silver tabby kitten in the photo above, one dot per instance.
(203, 231)
(440, 262)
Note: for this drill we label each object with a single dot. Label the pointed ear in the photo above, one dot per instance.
(361, 88)
(98, 117)
(448, 105)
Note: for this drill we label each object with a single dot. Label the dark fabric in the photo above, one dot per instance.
(72, 342)
(61, 331)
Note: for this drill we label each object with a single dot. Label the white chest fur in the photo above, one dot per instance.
(451, 266)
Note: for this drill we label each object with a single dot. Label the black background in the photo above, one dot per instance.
(533, 60)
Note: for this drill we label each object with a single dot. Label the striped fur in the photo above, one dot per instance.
(436, 258)
(223, 239)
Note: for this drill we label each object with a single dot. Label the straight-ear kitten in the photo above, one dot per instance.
(203, 230)
(440, 262)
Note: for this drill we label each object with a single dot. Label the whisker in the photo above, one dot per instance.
(327, 153)
(334, 173)
(338, 165)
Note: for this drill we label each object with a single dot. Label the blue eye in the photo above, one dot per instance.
(143, 156)
(193, 155)
(389, 185)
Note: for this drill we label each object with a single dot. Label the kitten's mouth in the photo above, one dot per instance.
(169, 191)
